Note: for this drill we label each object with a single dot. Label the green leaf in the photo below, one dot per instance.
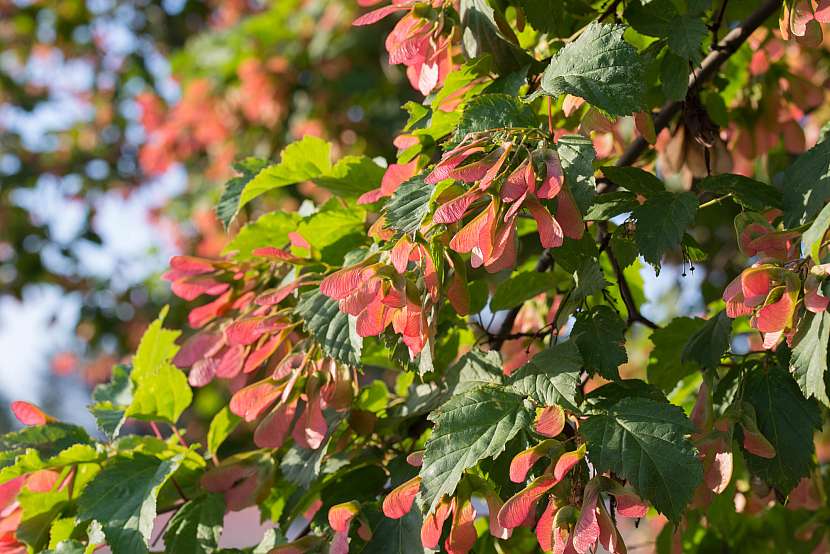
(806, 185)
(685, 32)
(469, 427)
(301, 466)
(788, 421)
(270, 229)
(813, 237)
(674, 76)
(644, 442)
(600, 67)
(221, 426)
(666, 366)
(46, 440)
(709, 343)
(300, 161)
(494, 111)
(475, 368)
(551, 377)
(635, 180)
(521, 287)
(351, 176)
(481, 34)
(161, 389)
(31, 460)
(600, 335)
(196, 526)
(111, 401)
(661, 223)
(334, 231)
(686, 37)
(612, 204)
(122, 498)
(228, 205)
(589, 279)
(577, 154)
(809, 357)
(749, 193)
(396, 536)
(331, 328)
(67, 547)
(409, 205)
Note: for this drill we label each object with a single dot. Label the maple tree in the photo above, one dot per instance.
(436, 353)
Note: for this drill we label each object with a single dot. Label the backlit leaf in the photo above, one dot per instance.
(601, 67)
(469, 427)
(122, 498)
(645, 442)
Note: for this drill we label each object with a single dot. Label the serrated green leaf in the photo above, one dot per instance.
(686, 37)
(351, 176)
(788, 421)
(270, 229)
(111, 401)
(666, 367)
(674, 76)
(600, 67)
(661, 223)
(612, 204)
(749, 193)
(46, 440)
(589, 279)
(330, 327)
(196, 526)
(600, 335)
(67, 547)
(221, 426)
(469, 427)
(577, 154)
(706, 346)
(475, 368)
(161, 389)
(644, 442)
(685, 32)
(396, 536)
(300, 466)
(481, 34)
(809, 356)
(635, 180)
(32, 461)
(813, 237)
(300, 161)
(494, 111)
(228, 205)
(551, 377)
(122, 498)
(806, 185)
(521, 287)
(334, 231)
(407, 208)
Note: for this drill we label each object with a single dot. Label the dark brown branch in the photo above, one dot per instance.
(634, 315)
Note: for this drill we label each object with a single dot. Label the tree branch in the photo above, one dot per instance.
(708, 68)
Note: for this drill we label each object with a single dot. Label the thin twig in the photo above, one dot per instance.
(634, 315)
(715, 27)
